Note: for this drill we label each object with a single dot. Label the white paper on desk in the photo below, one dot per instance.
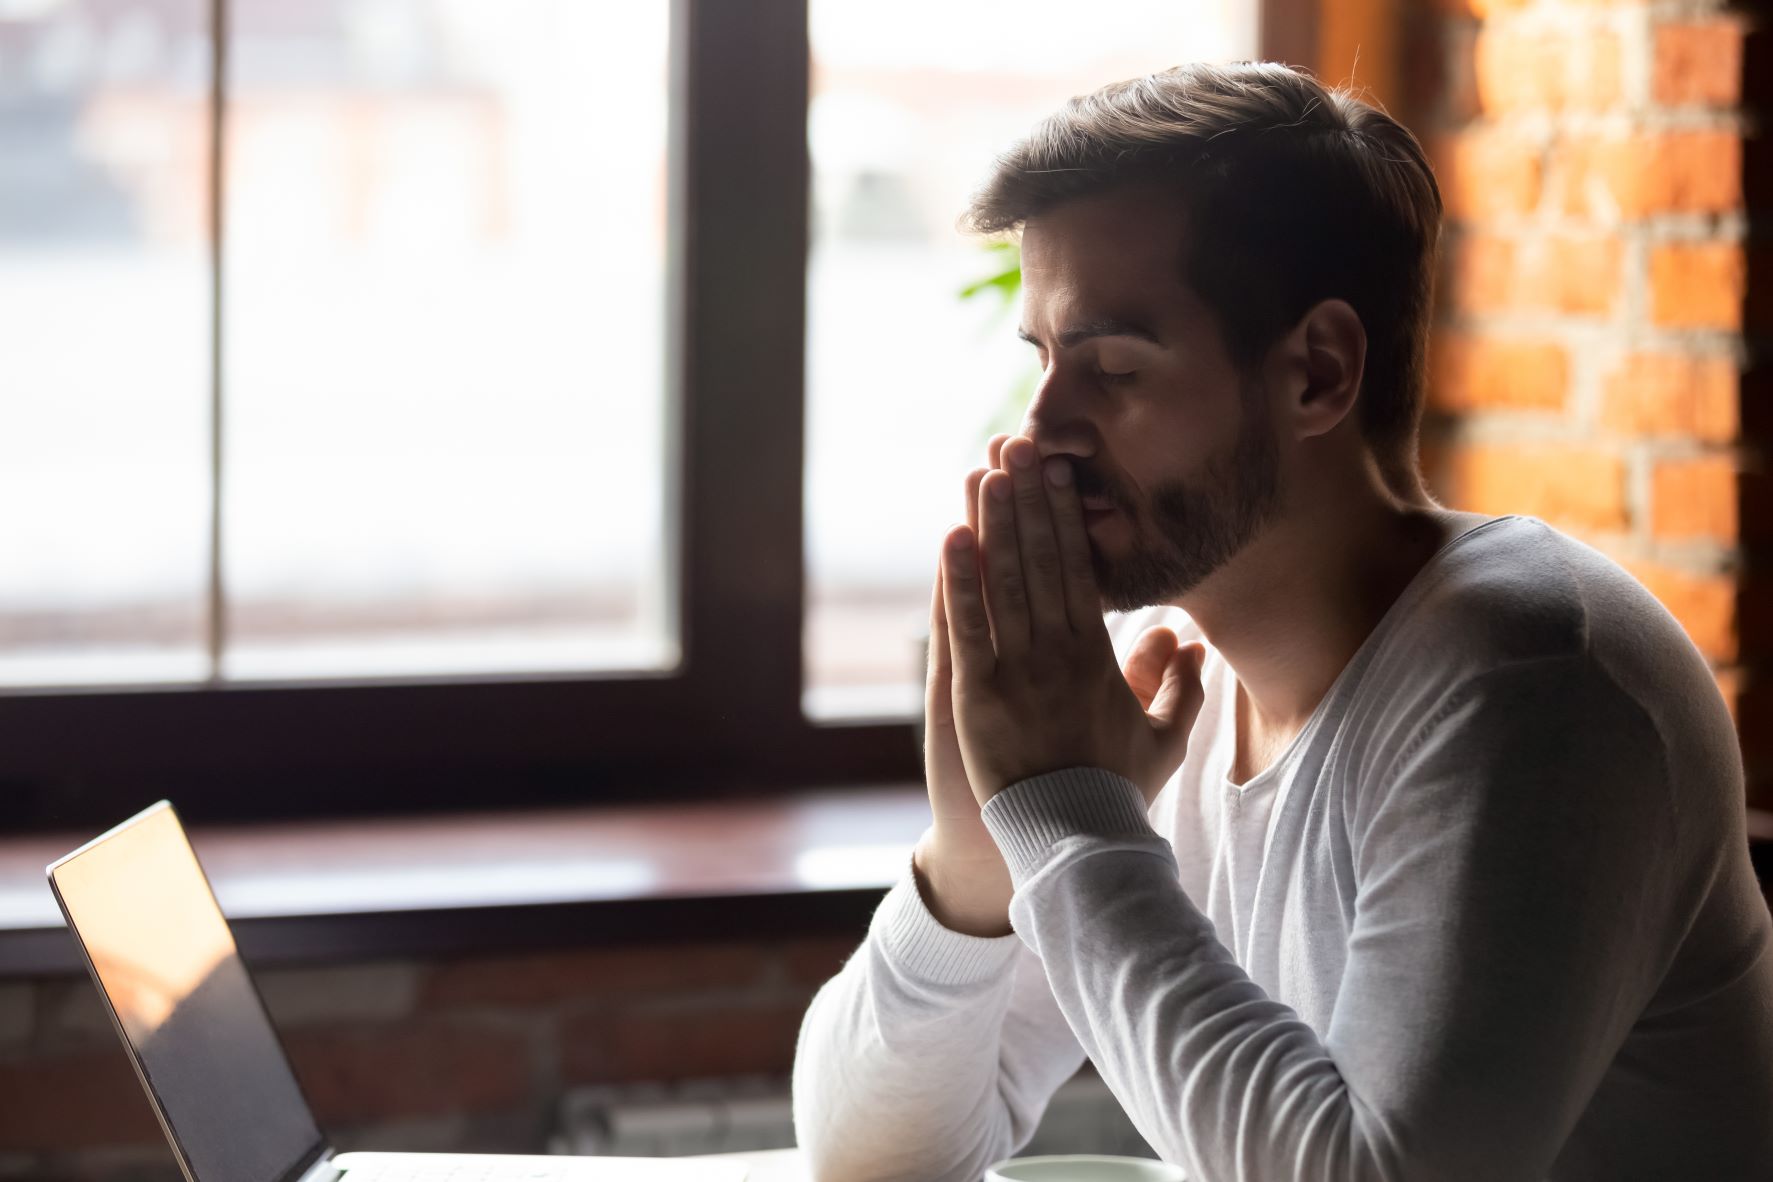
(569, 1169)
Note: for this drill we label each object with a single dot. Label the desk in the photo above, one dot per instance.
(773, 1165)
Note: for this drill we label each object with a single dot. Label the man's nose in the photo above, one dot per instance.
(1057, 418)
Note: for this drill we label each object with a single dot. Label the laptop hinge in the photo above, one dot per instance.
(322, 1170)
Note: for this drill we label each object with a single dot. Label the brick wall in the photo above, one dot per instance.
(467, 1055)
(1591, 365)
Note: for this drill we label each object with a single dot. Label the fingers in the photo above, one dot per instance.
(994, 450)
(1083, 600)
(963, 600)
(972, 492)
(937, 705)
(1037, 545)
(1004, 586)
(1148, 662)
(1178, 700)
(973, 479)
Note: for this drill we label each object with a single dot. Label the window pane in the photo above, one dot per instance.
(104, 373)
(910, 104)
(444, 303)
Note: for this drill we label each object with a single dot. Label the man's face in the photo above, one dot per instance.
(1173, 446)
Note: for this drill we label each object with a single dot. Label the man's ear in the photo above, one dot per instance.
(1322, 361)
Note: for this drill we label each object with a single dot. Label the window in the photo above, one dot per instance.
(503, 323)
(104, 377)
(443, 338)
(441, 315)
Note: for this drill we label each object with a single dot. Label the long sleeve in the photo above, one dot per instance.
(1519, 898)
(930, 1055)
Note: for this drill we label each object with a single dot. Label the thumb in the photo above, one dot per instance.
(1145, 666)
(1180, 696)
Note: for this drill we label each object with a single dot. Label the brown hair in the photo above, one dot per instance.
(1294, 193)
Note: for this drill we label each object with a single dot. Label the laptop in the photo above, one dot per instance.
(164, 960)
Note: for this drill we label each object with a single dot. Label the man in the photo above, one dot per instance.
(1411, 848)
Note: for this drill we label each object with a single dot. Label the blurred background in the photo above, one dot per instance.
(441, 303)
(366, 450)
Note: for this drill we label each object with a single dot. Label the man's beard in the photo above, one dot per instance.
(1198, 526)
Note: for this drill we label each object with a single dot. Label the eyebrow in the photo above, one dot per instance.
(1107, 327)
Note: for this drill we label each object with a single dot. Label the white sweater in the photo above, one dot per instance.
(1489, 917)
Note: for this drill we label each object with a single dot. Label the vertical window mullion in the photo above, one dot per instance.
(742, 196)
(216, 624)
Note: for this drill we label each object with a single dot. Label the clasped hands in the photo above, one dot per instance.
(1018, 638)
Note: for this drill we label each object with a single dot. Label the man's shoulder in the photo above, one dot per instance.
(1501, 593)
(1529, 620)
(1518, 590)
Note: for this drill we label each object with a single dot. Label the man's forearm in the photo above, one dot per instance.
(905, 1067)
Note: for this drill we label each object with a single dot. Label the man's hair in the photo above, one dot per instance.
(1292, 193)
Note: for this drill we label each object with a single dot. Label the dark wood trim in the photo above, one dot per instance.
(480, 931)
(742, 182)
(1288, 31)
(807, 864)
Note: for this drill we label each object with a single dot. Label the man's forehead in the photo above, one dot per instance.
(1134, 224)
(1074, 284)
(1113, 254)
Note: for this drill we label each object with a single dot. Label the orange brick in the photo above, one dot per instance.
(1515, 71)
(1698, 285)
(358, 1074)
(1673, 394)
(1705, 605)
(667, 1043)
(1694, 498)
(1480, 8)
(1573, 274)
(815, 960)
(1575, 487)
(1520, 70)
(1729, 687)
(1484, 174)
(1469, 373)
(80, 1100)
(1481, 273)
(1591, 72)
(1570, 274)
(1697, 64)
(1633, 177)
(546, 979)
(1702, 172)
(1451, 81)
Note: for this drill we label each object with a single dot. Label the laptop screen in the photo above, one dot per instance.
(163, 955)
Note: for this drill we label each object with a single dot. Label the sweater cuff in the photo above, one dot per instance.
(1031, 816)
(916, 943)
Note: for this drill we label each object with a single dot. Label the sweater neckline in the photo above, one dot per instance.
(1413, 590)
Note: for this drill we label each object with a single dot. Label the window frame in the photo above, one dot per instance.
(728, 720)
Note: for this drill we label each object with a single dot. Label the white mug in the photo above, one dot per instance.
(1084, 1167)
